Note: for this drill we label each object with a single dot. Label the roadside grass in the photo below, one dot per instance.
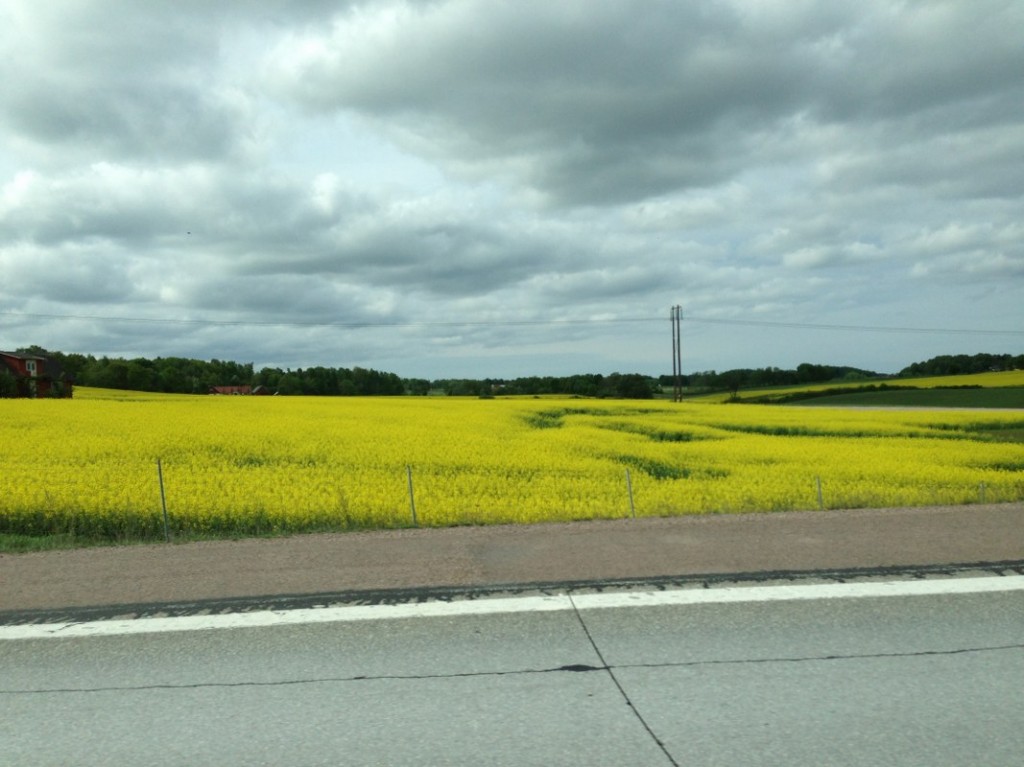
(12, 543)
(15, 543)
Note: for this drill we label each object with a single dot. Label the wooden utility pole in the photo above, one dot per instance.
(675, 319)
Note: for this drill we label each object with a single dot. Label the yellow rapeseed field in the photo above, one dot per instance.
(243, 465)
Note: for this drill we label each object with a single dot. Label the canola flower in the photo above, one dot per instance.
(244, 465)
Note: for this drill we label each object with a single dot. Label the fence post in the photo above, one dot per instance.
(629, 489)
(981, 492)
(821, 497)
(412, 498)
(163, 500)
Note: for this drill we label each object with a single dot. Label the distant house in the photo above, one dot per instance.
(230, 390)
(29, 375)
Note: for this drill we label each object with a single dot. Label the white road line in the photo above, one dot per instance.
(690, 596)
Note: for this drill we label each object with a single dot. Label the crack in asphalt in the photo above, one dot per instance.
(575, 668)
(622, 690)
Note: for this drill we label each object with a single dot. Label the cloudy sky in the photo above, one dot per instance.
(513, 187)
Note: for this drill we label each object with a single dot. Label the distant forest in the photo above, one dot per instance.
(189, 376)
(946, 365)
(963, 364)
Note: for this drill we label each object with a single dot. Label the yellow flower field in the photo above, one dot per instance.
(243, 465)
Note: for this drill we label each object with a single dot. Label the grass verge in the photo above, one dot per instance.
(12, 543)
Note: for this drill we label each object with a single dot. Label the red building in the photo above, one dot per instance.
(29, 375)
(244, 390)
(230, 390)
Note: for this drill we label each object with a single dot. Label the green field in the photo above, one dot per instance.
(1003, 390)
(979, 398)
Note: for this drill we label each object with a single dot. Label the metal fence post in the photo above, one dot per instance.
(163, 500)
(629, 489)
(412, 497)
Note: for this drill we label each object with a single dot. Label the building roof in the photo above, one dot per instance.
(230, 390)
(50, 368)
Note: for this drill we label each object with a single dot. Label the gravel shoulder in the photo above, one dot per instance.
(500, 555)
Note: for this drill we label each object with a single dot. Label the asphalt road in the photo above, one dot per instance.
(912, 680)
(434, 647)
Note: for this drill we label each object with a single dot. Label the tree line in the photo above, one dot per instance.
(759, 378)
(963, 364)
(179, 375)
(615, 385)
(190, 376)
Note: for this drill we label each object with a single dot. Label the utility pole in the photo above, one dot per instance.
(675, 319)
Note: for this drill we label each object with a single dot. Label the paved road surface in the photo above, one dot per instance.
(490, 679)
(913, 679)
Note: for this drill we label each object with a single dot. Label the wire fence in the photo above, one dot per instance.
(163, 500)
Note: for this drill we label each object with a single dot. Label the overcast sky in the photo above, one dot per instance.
(489, 188)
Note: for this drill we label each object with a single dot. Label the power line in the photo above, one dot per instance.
(858, 328)
(355, 324)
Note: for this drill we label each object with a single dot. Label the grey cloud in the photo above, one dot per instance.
(185, 208)
(588, 107)
(280, 298)
(166, 122)
(103, 201)
(902, 59)
(642, 99)
(430, 246)
(74, 275)
(969, 252)
(101, 81)
(952, 164)
(598, 286)
(219, 222)
(443, 260)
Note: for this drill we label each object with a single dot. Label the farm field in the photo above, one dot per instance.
(255, 465)
(1003, 389)
(932, 397)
